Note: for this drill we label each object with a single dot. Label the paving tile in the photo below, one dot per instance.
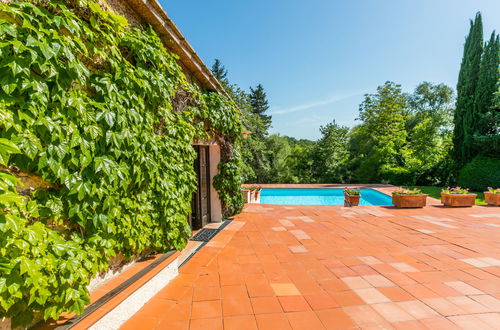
(335, 319)
(298, 249)
(468, 322)
(321, 301)
(285, 289)
(206, 309)
(378, 281)
(392, 312)
(395, 293)
(346, 298)
(266, 305)
(356, 282)
(242, 322)
(469, 305)
(260, 290)
(443, 306)
(236, 306)
(206, 324)
(272, 322)
(294, 304)
(464, 288)
(404, 267)
(370, 260)
(418, 309)
(364, 315)
(492, 319)
(488, 301)
(304, 321)
(208, 293)
(440, 323)
(371, 296)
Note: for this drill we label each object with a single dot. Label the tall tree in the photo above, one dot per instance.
(429, 131)
(486, 111)
(219, 71)
(330, 154)
(466, 91)
(381, 137)
(260, 105)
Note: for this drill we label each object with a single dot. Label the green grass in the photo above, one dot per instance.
(436, 193)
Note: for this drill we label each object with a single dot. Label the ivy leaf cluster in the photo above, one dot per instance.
(86, 103)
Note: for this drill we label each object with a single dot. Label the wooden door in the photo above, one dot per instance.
(200, 204)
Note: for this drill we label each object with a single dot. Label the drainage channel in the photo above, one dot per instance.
(204, 236)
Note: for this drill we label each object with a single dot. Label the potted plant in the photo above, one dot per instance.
(255, 193)
(457, 197)
(403, 198)
(351, 197)
(246, 195)
(492, 196)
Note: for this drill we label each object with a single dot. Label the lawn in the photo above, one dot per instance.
(436, 193)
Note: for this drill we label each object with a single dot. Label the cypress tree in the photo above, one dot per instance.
(258, 100)
(466, 91)
(486, 111)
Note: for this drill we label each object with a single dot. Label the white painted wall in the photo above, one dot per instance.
(215, 205)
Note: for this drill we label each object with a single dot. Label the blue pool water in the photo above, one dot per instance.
(319, 196)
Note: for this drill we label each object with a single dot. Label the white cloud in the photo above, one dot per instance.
(333, 99)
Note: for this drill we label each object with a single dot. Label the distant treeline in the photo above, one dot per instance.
(433, 136)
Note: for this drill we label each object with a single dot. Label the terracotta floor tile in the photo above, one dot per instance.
(469, 305)
(392, 312)
(321, 301)
(492, 319)
(294, 304)
(208, 293)
(371, 296)
(156, 307)
(242, 322)
(419, 291)
(237, 306)
(395, 293)
(468, 322)
(206, 309)
(364, 315)
(356, 282)
(266, 305)
(488, 301)
(304, 321)
(378, 281)
(441, 323)
(443, 306)
(260, 290)
(285, 289)
(464, 288)
(141, 322)
(272, 322)
(335, 319)
(418, 309)
(206, 324)
(347, 298)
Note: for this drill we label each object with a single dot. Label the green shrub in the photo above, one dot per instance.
(399, 176)
(480, 173)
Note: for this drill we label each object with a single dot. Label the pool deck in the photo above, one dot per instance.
(331, 267)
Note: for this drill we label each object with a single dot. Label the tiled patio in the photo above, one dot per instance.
(329, 267)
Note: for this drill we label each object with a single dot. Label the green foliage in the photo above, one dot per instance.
(378, 144)
(258, 101)
(486, 112)
(87, 103)
(480, 173)
(330, 154)
(466, 91)
(405, 191)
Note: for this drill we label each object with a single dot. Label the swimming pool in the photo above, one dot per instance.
(319, 196)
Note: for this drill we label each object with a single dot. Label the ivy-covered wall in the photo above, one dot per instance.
(104, 114)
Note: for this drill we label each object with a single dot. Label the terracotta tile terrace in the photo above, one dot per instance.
(331, 267)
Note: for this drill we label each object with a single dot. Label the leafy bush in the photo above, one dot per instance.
(398, 176)
(482, 172)
(90, 105)
(404, 191)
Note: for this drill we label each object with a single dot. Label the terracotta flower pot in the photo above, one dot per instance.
(254, 196)
(491, 198)
(458, 200)
(405, 201)
(246, 195)
(351, 200)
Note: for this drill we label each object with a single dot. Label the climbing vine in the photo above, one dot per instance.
(88, 104)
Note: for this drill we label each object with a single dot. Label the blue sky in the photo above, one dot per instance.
(317, 58)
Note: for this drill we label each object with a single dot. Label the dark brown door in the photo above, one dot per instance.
(200, 204)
